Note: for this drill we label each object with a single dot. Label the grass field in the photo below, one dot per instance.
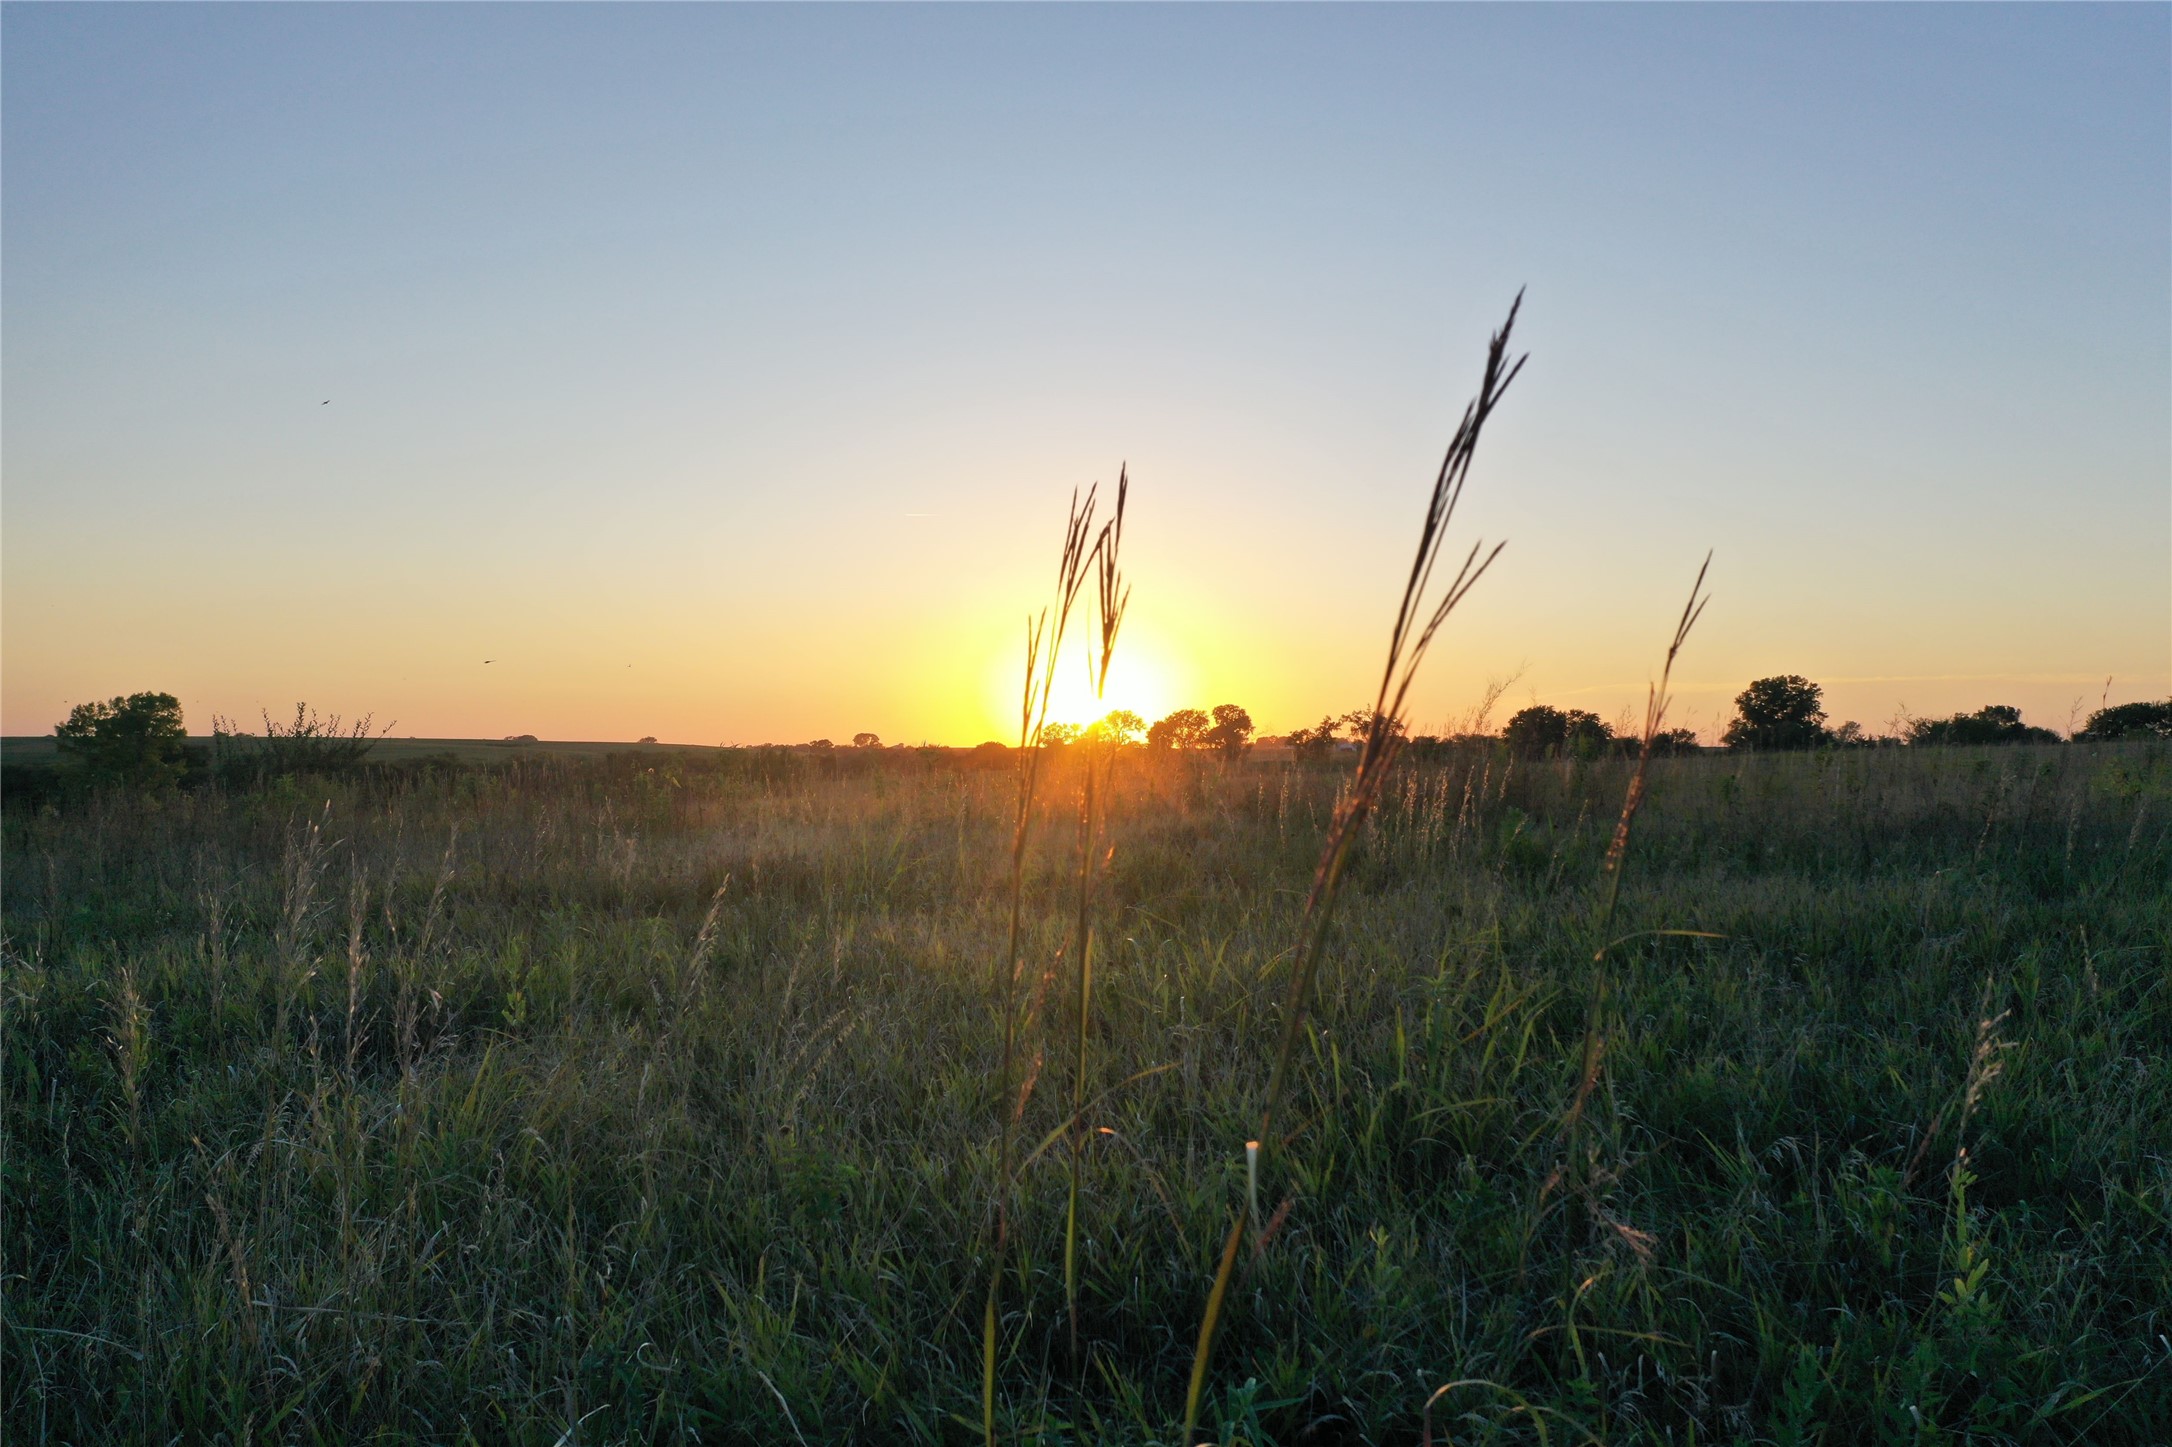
(653, 1097)
(41, 750)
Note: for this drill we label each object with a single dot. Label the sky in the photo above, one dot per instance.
(723, 373)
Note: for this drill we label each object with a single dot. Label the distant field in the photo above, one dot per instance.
(580, 1101)
(41, 748)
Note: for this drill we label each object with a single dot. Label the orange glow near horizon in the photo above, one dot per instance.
(1144, 678)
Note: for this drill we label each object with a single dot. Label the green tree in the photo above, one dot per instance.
(1231, 732)
(133, 741)
(1997, 723)
(1783, 712)
(2129, 721)
(1180, 730)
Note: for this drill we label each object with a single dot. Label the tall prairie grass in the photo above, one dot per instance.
(596, 1176)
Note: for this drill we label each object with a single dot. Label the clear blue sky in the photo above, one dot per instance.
(721, 371)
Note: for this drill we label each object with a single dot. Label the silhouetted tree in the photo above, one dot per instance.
(1180, 730)
(1358, 724)
(1232, 730)
(2129, 721)
(1541, 727)
(1317, 742)
(866, 741)
(1996, 723)
(1536, 729)
(1119, 726)
(1782, 712)
(134, 741)
(1059, 735)
(1588, 733)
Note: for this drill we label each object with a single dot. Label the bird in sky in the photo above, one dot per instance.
(325, 403)
(490, 660)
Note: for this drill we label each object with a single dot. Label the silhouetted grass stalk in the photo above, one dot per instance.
(1617, 854)
(1415, 627)
(1044, 645)
(1113, 595)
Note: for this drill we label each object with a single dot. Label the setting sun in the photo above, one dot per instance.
(1144, 678)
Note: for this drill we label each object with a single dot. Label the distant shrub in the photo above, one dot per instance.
(1675, 741)
(135, 742)
(1996, 723)
(866, 741)
(2129, 721)
(1782, 712)
(1357, 725)
(1542, 729)
(1317, 742)
(1352, 728)
(1437, 748)
(308, 745)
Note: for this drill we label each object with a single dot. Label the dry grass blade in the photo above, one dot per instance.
(1113, 595)
(1417, 620)
(1044, 646)
(1655, 713)
(1538, 1422)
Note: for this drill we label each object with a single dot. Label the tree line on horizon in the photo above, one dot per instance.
(138, 741)
(1783, 712)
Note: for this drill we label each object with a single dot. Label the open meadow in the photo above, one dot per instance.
(657, 1097)
(810, 974)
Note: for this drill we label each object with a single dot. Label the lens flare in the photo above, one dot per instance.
(1143, 679)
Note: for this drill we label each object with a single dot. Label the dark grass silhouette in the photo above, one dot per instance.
(1417, 620)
